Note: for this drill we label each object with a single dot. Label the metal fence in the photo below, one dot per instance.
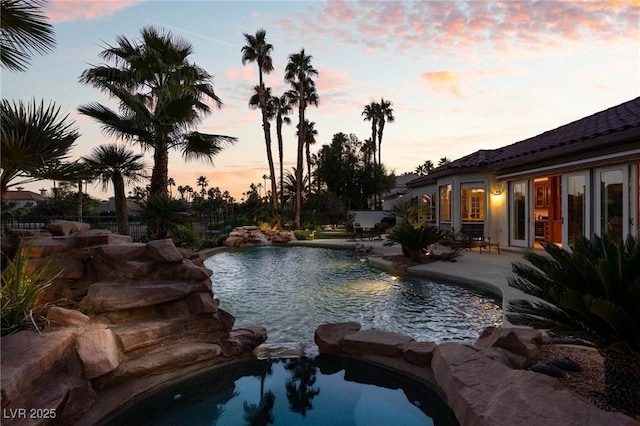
(137, 227)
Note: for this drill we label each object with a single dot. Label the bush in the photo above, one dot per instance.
(22, 282)
(413, 238)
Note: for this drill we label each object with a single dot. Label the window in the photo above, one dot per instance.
(472, 202)
(429, 202)
(445, 203)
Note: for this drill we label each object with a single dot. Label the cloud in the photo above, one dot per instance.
(66, 11)
(458, 28)
(443, 81)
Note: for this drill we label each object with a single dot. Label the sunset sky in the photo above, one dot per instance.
(462, 76)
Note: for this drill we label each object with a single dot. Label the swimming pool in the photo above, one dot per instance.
(327, 390)
(293, 290)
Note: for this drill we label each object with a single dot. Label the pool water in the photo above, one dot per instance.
(327, 390)
(293, 290)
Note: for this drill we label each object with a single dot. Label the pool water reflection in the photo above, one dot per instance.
(327, 390)
(293, 290)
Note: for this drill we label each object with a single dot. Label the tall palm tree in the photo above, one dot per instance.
(171, 183)
(309, 139)
(35, 141)
(299, 73)
(162, 98)
(25, 31)
(370, 113)
(259, 51)
(182, 190)
(203, 182)
(282, 108)
(385, 114)
(115, 164)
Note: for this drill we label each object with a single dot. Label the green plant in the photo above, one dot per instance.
(184, 236)
(22, 282)
(413, 238)
(162, 214)
(589, 295)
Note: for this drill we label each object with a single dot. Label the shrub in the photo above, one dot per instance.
(589, 295)
(413, 238)
(22, 282)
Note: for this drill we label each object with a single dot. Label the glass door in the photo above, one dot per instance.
(519, 214)
(612, 202)
(575, 214)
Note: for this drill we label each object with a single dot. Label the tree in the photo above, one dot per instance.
(259, 51)
(309, 139)
(370, 113)
(299, 73)
(35, 141)
(282, 108)
(182, 189)
(203, 182)
(444, 161)
(162, 98)
(25, 31)
(424, 168)
(114, 164)
(588, 295)
(413, 238)
(171, 183)
(385, 114)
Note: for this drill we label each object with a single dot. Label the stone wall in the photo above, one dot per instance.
(123, 318)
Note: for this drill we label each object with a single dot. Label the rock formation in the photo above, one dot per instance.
(254, 235)
(123, 318)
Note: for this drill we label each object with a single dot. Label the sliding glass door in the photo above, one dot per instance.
(575, 213)
(612, 202)
(519, 214)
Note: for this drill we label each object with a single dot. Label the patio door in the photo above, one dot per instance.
(612, 202)
(519, 214)
(575, 211)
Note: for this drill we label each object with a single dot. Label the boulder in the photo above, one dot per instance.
(419, 353)
(98, 351)
(378, 342)
(329, 337)
(163, 251)
(61, 228)
(523, 342)
(116, 296)
(121, 252)
(62, 317)
(201, 303)
(234, 241)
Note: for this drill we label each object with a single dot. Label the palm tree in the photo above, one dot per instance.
(117, 165)
(259, 51)
(182, 190)
(385, 114)
(588, 295)
(309, 139)
(282, 108)
(189, 190)
(25, 30)
(35, 141)
(424, 168)
(162, 98)
(203, 182)
(299, 73)
(171, 183)
(444, 161)
(370, 113)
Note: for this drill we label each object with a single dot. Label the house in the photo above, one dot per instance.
(576, 180)
(21, 198)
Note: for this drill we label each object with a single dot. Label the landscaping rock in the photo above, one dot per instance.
(99, 352)
(524, 342)
(329, 337)
(419, 353)
(61, 228)
(62, 317)
(377, 342)
(163, 251)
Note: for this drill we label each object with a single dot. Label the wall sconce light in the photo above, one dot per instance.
(496, 191)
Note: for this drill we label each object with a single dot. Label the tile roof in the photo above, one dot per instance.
(573, 135)
(23, 195)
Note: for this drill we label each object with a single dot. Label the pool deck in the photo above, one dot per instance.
(486, 271)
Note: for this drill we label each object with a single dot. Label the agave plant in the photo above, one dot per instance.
(413, 238)
(589, 295)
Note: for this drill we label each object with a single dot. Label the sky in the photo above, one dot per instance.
(461, 76)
